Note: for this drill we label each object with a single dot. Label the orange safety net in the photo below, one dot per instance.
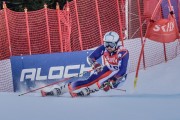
(88, 21)
(14, 32)
(149, 7)
(4, 48)
(17, 31)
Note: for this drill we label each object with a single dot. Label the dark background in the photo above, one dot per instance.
(32, 5)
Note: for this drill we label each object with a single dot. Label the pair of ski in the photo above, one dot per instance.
(66, 79)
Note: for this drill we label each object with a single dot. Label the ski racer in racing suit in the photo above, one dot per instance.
(105, 77)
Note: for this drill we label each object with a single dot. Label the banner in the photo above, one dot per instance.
(31, 71)
(163, 30)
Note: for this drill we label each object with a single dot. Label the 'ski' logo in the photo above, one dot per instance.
(165, 28)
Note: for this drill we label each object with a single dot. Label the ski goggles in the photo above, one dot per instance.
(109, 44)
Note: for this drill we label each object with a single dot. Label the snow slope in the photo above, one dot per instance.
(157, 97)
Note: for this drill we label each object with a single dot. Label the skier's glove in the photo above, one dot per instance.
(97, 67)
(106, 86)
(111, 83)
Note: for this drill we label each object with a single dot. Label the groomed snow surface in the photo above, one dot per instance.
(157, 97)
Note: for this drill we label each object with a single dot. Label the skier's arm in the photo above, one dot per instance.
(94, 56)
(91, 59)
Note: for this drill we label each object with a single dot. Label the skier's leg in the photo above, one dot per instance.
(80, 88)
(92, 84)
(56, 90)
(85, 91)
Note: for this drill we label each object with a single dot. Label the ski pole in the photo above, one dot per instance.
(123, 90)
(60, 81)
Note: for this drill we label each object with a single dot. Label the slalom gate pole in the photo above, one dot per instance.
(123, 90)
(60, 81)
(143, 44)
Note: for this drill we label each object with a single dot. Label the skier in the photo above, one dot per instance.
(105, 77)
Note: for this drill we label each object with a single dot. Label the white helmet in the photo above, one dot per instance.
(111, 39)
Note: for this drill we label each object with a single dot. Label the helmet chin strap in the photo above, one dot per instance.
(113, 52)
